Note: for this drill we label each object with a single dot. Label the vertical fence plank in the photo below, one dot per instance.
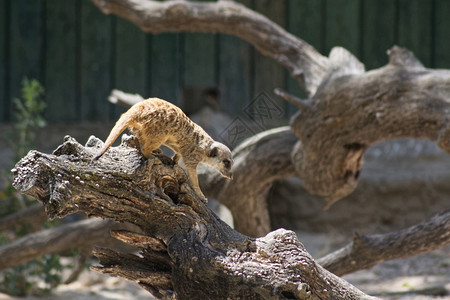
(199, 59)
(130, 62)
(304, 20)
(414, 28)
(26, 43)
(4, 60)
(130, 59)
(60, 54)
(343, 25)
(165, 66)
(268, 74)
(441, 47)
(199, 66)
(234, 74)
(378, 31)
(96, 63)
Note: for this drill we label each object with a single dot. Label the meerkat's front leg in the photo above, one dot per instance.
(192, 174)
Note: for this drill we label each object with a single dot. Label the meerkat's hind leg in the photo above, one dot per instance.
(148, 150)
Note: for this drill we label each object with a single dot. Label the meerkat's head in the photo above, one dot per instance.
(219, 157)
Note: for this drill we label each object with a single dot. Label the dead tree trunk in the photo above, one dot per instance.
(184, 246)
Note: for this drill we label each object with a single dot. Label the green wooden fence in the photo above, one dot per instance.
(79, 54)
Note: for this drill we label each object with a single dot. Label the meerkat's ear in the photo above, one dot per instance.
(214, 152)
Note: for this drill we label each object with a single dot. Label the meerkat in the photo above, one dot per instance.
(156, 122)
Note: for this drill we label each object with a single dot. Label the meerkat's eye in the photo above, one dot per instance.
(214, 152)
(227, 163)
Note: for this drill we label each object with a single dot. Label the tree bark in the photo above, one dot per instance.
(184, 246)
(353, 109)
(259, 161)
(33, 214)
(366, 251)
(82, 234)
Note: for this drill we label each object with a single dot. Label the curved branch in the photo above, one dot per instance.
(258, 161)
(124, 99)
(355, 109)
(83, 234)
(34, 214)
(367, 251)
(301, 59)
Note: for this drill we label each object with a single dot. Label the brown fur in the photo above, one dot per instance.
(156, 122)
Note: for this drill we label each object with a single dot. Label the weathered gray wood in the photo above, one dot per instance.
(367, 251)
(252, 169)
(184, 246)
(86, 233)
(33, 214)
(125, 100)
(354, 109)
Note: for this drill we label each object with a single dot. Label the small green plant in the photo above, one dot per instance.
(38, 275)
(28, 116)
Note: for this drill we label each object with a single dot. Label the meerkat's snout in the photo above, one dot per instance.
(228, 175)
(226, 169)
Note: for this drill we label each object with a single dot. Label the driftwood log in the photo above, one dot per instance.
(348, 108)
(187, 252)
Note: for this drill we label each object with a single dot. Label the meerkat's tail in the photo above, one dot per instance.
(124, 121)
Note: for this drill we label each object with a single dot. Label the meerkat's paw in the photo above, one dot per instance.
(201, 196)
(157, 151)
